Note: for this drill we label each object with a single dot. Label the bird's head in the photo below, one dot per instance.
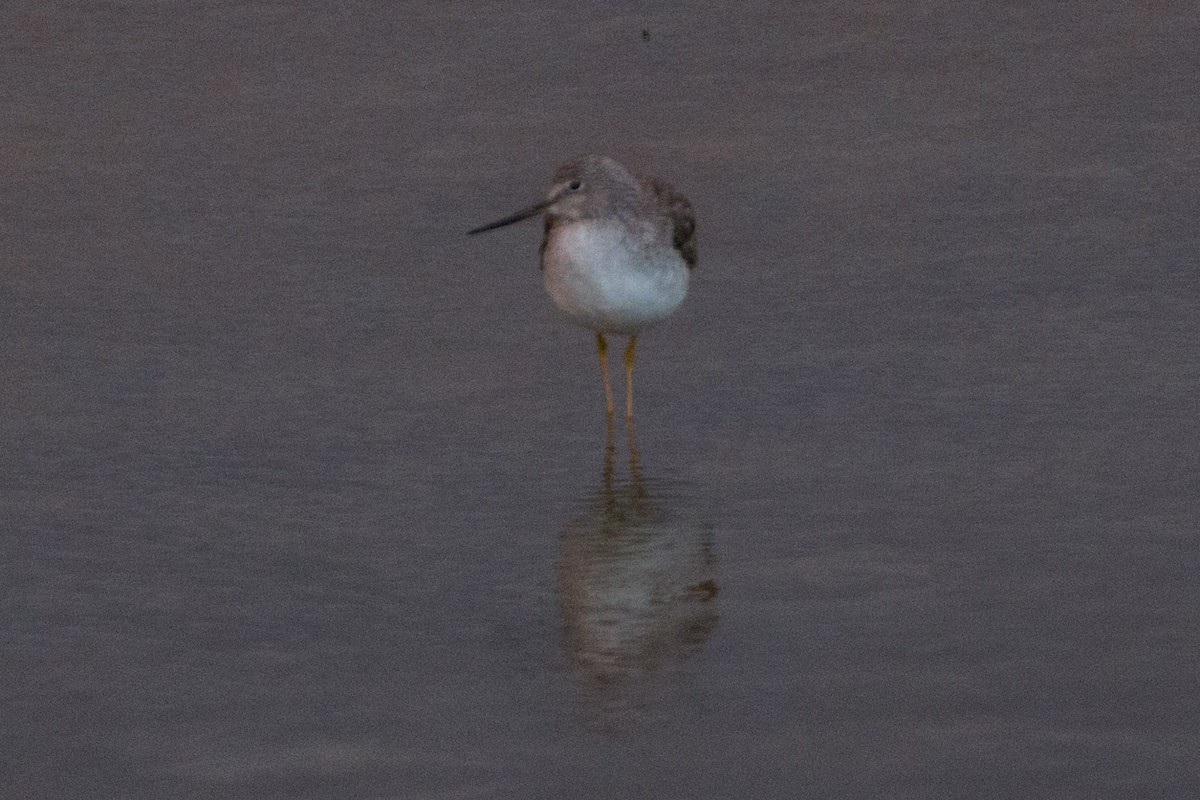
(582, 188)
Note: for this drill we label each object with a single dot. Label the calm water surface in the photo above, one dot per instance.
(306, 495)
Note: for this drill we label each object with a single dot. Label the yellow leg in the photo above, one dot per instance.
(630, 354)
(602, 349)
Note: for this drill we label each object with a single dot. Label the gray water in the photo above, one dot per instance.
(304, 494)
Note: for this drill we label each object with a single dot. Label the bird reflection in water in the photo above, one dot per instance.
(636, 586)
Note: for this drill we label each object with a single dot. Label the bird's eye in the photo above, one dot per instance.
(575, 185)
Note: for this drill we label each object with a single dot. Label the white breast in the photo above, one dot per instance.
(605, 278)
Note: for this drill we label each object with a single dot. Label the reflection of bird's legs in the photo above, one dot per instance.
(609, 475)
(630, 354)
(636, 489)
(602, 350)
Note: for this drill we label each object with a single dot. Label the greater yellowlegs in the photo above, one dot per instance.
(617, 253)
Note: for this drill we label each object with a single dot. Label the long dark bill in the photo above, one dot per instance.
(511, 218)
